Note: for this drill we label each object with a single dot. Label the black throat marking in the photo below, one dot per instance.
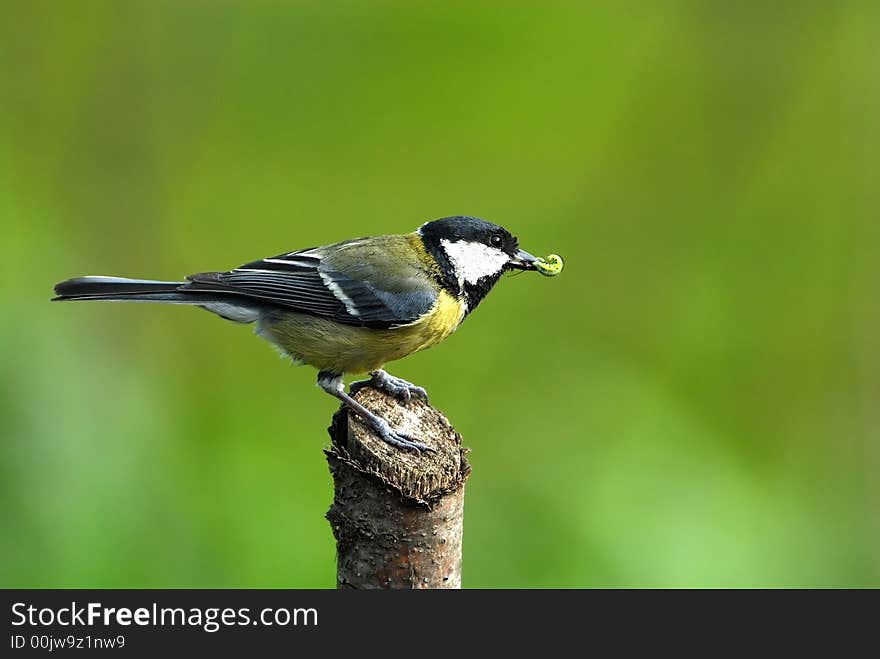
(474, 293)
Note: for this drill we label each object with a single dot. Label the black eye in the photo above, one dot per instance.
(496, 240)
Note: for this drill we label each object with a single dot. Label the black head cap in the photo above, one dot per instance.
(470, 229)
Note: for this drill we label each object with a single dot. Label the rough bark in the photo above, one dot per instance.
(396, 515)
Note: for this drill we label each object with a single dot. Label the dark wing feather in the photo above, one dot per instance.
(350, 291)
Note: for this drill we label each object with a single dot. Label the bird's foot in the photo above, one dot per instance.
(397, 387)
(331, 382)
(395, 437)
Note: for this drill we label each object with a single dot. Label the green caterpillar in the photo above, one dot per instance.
(551, 266)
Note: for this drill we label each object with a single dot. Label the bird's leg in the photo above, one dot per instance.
(332, 383)
(395, 386)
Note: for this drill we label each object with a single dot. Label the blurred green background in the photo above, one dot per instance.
(702, 409)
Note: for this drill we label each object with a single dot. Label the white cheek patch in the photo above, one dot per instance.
(472, 261)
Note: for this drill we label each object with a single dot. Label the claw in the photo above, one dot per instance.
(399, 439)
(395, 386)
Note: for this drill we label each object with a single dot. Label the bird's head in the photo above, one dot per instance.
(472, 254)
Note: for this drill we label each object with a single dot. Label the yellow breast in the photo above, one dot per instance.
(332, 346)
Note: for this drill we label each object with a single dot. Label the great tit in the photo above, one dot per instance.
(349, 307)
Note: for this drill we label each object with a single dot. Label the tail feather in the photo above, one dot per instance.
(117, 288)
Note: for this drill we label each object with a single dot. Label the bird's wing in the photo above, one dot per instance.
(355, 282)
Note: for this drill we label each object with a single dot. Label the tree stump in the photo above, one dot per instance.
(396, 515)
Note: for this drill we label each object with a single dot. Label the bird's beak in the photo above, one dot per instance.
(522, 261)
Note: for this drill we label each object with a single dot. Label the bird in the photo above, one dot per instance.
(348, 307)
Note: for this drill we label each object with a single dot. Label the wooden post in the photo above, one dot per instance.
(396, 515)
